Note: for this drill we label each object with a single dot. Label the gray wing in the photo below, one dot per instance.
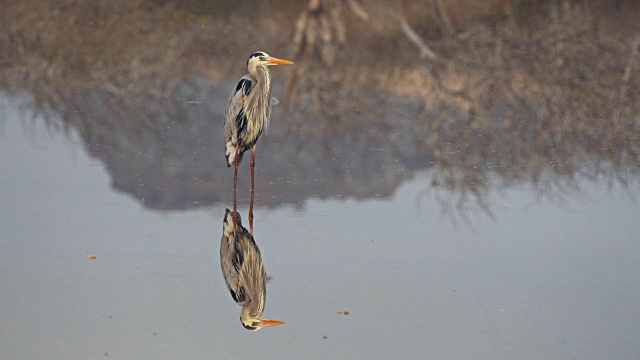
(235, 119)
(230, 261)
(235, 109)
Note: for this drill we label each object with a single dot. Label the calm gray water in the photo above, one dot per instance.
(551, 277)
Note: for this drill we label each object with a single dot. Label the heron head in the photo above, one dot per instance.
(256, 323)
(261, 58)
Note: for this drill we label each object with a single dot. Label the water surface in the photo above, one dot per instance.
(529, 276)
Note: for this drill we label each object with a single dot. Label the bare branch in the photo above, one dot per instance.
(358, 10)
(425, 51)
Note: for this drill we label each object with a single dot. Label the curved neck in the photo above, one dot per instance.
(262, 76)
(249, 312)
(259, 102)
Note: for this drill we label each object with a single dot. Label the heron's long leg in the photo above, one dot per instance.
(235, 187)
(253, 163)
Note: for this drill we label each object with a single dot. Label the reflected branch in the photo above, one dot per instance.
(484, 95)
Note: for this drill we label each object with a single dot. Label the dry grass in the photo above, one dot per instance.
(129, 48)
(68, 45)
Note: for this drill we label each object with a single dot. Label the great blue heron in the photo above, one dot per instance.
(247, 116)
(243, 272)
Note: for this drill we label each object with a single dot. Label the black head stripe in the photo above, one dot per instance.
(255, 54)
(251, 328)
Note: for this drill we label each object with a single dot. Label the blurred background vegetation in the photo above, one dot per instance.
(536, 89)
(408, 48)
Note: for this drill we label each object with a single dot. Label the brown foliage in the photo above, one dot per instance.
(538, 93)
(67, 45)
(517, 89)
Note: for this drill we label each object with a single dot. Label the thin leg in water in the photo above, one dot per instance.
(235, 187)
(253, 163)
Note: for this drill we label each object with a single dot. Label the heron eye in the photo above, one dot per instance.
(261, 58)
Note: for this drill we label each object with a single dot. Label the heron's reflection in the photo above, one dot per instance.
(244, 273)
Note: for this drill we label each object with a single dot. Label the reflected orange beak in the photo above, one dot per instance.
(275, 61)
(266, 323)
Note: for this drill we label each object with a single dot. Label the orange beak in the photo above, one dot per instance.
(275, 61)
(266, 323)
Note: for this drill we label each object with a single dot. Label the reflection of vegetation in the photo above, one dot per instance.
(547, 106)
(546, 93)
(510, 90)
